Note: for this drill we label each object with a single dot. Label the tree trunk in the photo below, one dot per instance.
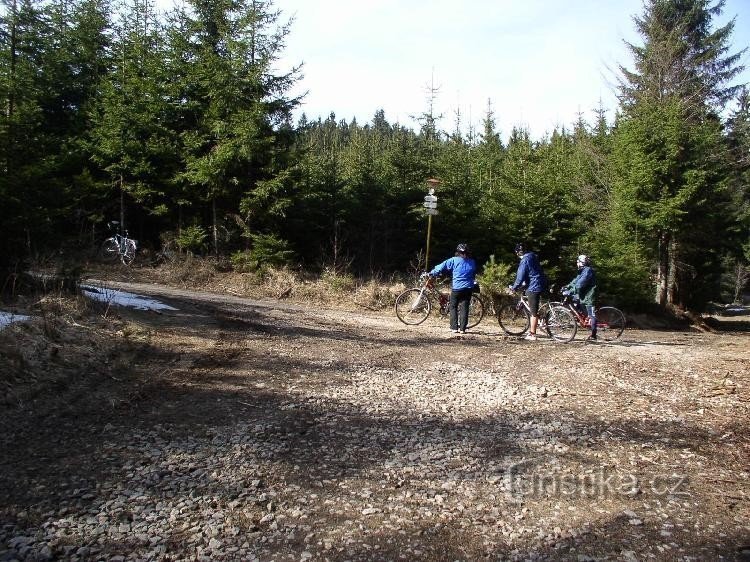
(122, 205)
(10, 107)
(215, 227)
(662, 269)
(741, 276)
(673, 277)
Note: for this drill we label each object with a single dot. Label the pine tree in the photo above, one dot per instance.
(24, 140)
(128, 137)
(232, 102)
(738, 259)
(671, 180)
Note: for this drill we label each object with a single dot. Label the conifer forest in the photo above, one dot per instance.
(180, 126)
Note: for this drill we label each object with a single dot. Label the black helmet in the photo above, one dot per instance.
(462, 248)
(520, 248)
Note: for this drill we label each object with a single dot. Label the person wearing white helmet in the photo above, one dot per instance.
(463, 269)
(583, 290)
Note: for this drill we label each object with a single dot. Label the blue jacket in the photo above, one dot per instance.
(464, 271)
(530, 274)
(584, 285)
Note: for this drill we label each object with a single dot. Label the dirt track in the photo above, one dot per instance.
(242, 430)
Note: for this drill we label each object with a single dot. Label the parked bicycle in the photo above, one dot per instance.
(610, 321)
(413, 306)
(515, 318)
(167, 255)
(119, 246)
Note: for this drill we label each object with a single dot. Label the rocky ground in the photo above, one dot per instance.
(235, 429)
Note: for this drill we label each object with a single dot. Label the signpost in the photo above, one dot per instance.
(430, 206)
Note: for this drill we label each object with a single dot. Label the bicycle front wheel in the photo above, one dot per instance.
(513, 319)
(110, 250)
(128, 255)
(610, 323)
(561, 324)
(413, 306)
(476, 310)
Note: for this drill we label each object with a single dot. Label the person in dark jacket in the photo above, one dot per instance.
(530, 275)
(464, 269)
(583, 289)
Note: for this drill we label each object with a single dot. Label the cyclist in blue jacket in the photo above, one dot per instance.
(464, 269)
(583, 290)
(530, 275)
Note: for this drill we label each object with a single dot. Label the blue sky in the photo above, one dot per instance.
(540, 62)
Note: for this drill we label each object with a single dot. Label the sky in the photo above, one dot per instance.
(537, 63)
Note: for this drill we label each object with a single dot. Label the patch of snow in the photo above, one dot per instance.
(6, 318)
(121, 298)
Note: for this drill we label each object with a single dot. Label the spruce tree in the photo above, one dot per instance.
(231, 102)
(671, 179)
(128, 137)
(25, 143)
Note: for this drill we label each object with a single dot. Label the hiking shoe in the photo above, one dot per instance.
(592, 337)
(462, 331)
(454, 331)
(530, 337)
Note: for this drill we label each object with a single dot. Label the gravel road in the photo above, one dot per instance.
(232, 429)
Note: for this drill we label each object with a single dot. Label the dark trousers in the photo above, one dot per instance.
(459, 308)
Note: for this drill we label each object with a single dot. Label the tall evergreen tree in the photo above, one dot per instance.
(671, 176)
(739, 162)
(128, 139)
(22, 121)
(231, 101)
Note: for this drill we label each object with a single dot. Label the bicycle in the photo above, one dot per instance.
(515, 318)
(610, 321)
(119, 246)
(167, 255)
(414, 305)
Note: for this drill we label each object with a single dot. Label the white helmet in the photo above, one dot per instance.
(582, 260)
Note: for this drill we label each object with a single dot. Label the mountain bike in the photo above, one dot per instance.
(414, 305)
(119, 246)
(515, 318)
(610, 321)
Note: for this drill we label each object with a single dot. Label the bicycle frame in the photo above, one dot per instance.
(515, 317)
(434, 293)
(414, 305)
(582, 318)
(610, 321)
(119, 245)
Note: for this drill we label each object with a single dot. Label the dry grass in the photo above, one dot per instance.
(67, 346)
(329, 288)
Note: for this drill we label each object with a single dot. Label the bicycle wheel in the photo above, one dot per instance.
(561, 324)
(610, 323)
(166, 256)
(128, 255)
(476, 310)
(110, 249)
(513, 318)
(413, 306)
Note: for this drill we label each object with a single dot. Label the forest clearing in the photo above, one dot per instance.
(246, 413)
(232, 428)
